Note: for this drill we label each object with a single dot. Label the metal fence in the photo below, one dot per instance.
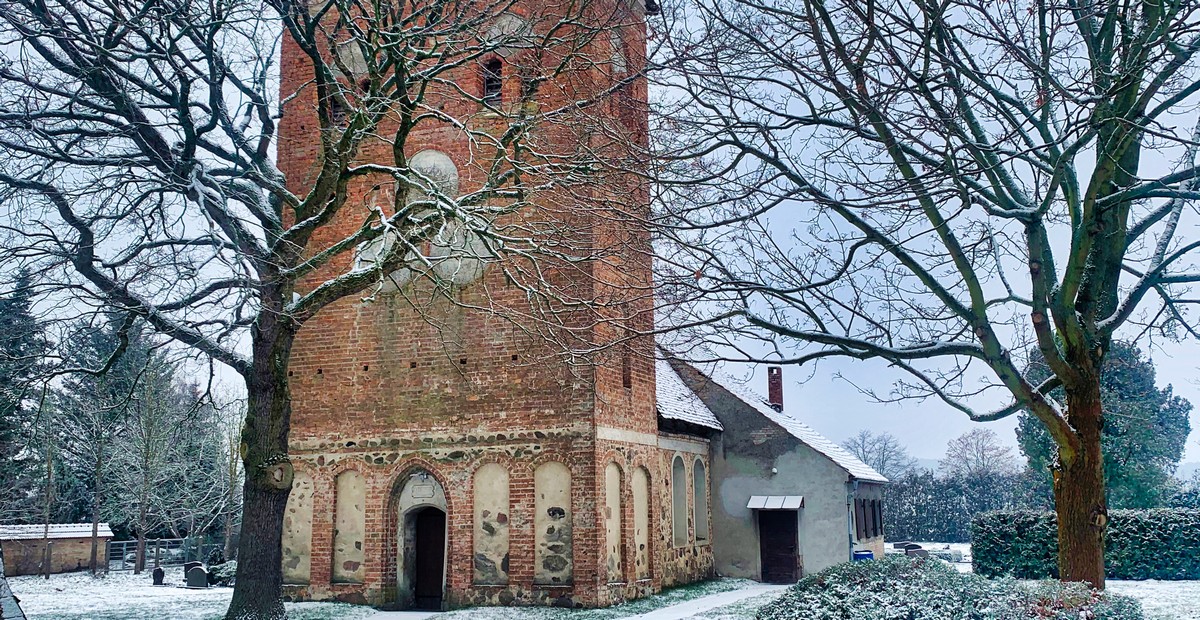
(122, 554)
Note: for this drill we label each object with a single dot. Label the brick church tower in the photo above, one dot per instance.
(444, 456)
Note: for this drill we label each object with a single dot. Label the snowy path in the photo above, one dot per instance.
(686, 609)
(695, 607)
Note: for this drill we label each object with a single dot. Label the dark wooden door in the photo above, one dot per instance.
(777, 546)
(431, 558)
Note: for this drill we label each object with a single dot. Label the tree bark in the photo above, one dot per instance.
(139, 562)
(98, 487)
(1079, 498)
(257, 593)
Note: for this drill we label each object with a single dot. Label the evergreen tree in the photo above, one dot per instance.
(23, 346)
(1143, 437)
(93, 405)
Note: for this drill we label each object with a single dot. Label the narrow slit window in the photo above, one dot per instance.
(337, 112)
(626, 367)
(493, 81)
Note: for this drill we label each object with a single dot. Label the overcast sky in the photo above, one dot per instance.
(836, 408)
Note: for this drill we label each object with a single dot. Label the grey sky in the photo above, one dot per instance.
(838, 410)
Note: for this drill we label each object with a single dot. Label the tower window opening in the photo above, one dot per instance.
(337, 113)
(493, 80)
(626, 366)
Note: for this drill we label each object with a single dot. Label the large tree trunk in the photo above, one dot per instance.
(1079, 494)
(257, 593)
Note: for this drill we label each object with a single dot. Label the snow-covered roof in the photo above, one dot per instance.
(57, 530)
(675, 401)
(801, 431)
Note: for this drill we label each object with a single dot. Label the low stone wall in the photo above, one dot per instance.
(24, 557)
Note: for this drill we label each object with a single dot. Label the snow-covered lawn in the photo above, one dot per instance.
(745, 609)
(1163, 600)
(125, 596)
(674, 596)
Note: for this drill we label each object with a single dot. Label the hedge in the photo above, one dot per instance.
(900, 588)
(1162, 543)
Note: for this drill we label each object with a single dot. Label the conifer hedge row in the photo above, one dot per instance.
(1162, 543)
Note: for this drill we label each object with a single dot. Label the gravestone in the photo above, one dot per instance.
(158, 575)
(196, 577)
(187, 566)
(901, 545)
(916, 553)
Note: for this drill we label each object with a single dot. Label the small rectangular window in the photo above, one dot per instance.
(626, 367)
(493, 81)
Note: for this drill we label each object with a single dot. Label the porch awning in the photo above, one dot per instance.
(775, 502)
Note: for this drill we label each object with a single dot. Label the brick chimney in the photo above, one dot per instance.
(775, 387)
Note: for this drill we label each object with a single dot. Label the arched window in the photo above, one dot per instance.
(612, 522)
(491, 525)
(349, 527)
(552, 554)
(620, 54)
(493, 81)
(641, 522)
(679, 525)
(700, 501)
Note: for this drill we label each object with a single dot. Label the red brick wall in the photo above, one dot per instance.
(409, 379)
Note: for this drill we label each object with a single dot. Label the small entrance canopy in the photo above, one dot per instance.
(775, 502)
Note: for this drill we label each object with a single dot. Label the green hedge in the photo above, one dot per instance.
(1163, 543)
(900, 588)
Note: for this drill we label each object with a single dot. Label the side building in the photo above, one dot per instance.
(786, 501)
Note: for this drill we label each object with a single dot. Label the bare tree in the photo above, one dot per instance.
(883, 452)
(231, 485)
(137, 157)
(933, 186)
(977, 452)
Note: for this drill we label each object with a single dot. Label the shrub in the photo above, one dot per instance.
(898, 588)
(1021, 544)
(1162, 543)
(222, 574)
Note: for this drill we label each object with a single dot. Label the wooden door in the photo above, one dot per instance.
(778, 546)
(430, 559)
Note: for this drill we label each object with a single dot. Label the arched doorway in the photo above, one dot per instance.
(421, 541)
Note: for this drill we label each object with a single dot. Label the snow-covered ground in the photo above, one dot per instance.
(1161, 600)
(125, 596)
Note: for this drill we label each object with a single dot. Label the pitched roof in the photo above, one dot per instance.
(839, 455)
(675, 401)
(57, 530)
